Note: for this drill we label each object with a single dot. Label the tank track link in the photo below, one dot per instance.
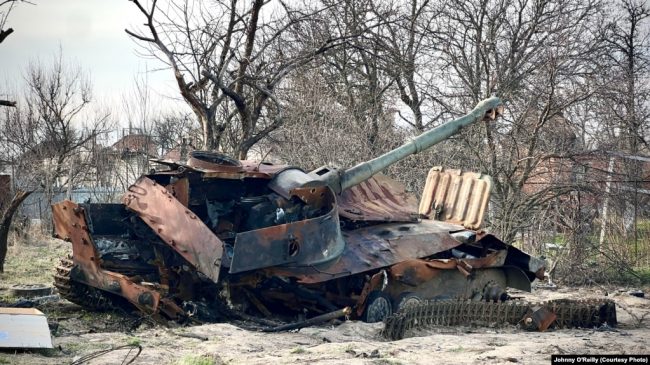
(535, 316)
(79, 293)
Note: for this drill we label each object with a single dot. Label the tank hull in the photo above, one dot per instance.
(189, 238)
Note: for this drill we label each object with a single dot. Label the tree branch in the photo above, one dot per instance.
(5, 33)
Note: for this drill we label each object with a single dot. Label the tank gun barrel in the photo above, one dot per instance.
(366, 170)
(340, 180)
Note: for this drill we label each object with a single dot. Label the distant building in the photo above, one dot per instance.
(130, 158)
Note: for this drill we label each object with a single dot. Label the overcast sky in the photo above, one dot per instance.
(91, 34)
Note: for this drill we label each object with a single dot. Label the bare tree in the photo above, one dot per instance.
(228, 60)
(624, 104)
(410, 57)
(630, 66)
(170, 129)
(323, 126)
(355, 74)
(542, 57)
(6, 6)
(48, 141)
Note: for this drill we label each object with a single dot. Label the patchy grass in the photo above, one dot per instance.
(386, 362)
(298, 350)
(32, 261)
(196, 360)
(80, 348)
(134, 341)
(457, 349)
(55, 352)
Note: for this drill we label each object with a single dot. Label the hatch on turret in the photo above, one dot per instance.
(456, 197)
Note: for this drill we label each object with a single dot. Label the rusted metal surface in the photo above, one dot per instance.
(377, 247)
(538, 318)
(180, 189)
(456, 197)
(247, 169)
(24, 328)
(179, 227)
(290, 178)
(70, 225)
(378, 199)
(376, 282)
(217, 165)
(415, 272)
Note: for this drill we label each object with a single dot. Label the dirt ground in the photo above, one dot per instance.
(81, 333)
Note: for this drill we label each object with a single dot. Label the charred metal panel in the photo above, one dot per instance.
(417, 271)
(378, 199)
(456, 197)
(304, 243)
(244, 169)
(107, 219)
(203, 189)
(379, 246)
(517, 279)
(176, 225)
(532, 266)
(70, 224)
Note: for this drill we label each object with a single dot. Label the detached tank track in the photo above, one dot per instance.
(79, 293)
(569, 314)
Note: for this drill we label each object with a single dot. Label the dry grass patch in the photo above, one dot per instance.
(32, 260)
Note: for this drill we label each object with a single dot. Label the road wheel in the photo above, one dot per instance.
(406, 299)
(378, 307)
(30, 290)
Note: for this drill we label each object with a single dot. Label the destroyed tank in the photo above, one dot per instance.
(215, 235)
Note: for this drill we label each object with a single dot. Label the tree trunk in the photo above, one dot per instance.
(208, 132)
(5, 223)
